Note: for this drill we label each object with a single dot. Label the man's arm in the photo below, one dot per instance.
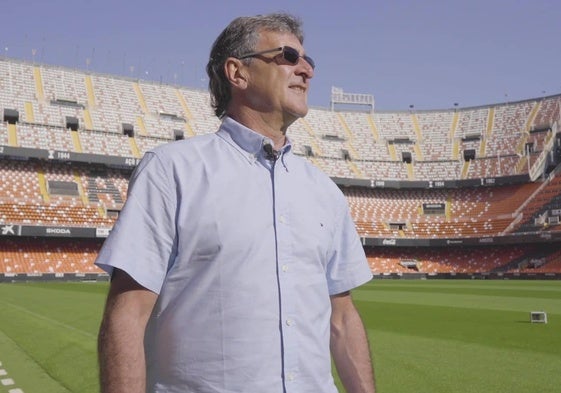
(349, 346)
(122, 366)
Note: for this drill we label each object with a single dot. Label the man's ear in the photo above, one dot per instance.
(236, 72)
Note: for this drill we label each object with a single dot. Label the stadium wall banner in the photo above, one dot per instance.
(434, 208)
(26, 152)
(467, 276)
(543, 237)
(60, 155)
(61, 277)
(430, 184)
(52, 231)
(104, 277)
(102, 232)
(10, 230)
(92, 233)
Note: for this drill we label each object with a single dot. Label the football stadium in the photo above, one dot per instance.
(463, 192)
(458, 211)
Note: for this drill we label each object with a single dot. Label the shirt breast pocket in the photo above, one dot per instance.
(313, 227)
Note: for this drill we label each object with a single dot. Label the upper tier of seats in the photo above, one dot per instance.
(506, 139)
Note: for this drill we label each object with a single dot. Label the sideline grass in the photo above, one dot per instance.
(463, 336)
(426, 336)
(53, 326)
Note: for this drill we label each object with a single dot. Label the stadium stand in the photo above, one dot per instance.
(457, 260)
(453, 191)
(19, 256)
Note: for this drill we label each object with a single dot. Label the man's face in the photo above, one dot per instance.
(276, 87)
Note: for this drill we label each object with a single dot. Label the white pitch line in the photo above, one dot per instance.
(53, 321)
(8, 381)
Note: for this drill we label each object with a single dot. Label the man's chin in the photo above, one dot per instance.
(295, 115)
(301, 111)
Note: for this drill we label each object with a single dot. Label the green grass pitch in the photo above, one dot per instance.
(426, 336)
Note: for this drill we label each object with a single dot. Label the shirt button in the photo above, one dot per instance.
(281, 219)
(289, 322)
(284, 268)
(290, 376)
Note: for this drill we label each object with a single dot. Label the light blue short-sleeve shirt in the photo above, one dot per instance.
(244, 252)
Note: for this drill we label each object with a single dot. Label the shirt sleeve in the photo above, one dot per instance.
(142, 241)
(347, 267)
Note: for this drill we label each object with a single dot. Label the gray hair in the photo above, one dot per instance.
(237, 39)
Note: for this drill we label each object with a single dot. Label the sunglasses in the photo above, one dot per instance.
(289, 54)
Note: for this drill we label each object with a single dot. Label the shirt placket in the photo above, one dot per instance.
(285, 268)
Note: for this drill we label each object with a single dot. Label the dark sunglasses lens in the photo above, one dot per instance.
(290, 54)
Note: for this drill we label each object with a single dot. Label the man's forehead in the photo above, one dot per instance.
(268, 39)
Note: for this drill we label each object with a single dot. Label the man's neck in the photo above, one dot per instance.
(273, 129)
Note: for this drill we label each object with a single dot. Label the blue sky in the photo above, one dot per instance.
(430, 54)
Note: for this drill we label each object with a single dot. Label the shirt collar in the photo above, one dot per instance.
(247, 141)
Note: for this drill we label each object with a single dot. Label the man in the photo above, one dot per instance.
(232, 259)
